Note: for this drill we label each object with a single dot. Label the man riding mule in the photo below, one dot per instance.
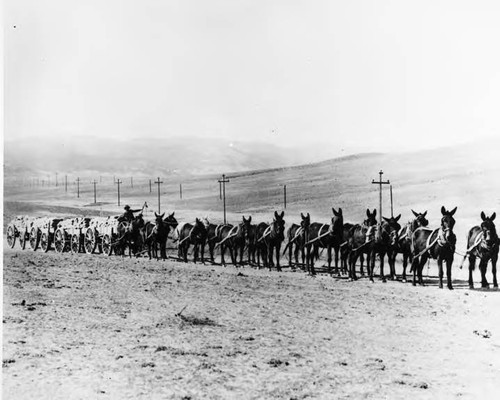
(130, 235)
(438, 244)
(128, 215)
(483, 243)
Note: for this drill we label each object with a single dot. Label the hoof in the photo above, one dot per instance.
(450, 287)
(495, 285)
(414, 284)
(485, 286)
(471, 287)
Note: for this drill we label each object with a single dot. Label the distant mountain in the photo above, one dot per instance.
(180, 155)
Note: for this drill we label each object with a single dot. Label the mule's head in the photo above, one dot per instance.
(420, 219)
(171, 221)
(199, 230)
(371, 218)
(447, 224)
(393, 228)
(489, 230)
(337, 225)
(279, 225)
(246, 226)
(159, 219)
(137, 223)
(305, 222)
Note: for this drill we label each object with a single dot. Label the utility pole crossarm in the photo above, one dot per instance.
(223, 182)
(380, 182)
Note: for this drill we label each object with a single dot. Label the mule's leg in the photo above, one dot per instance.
(382, 256)
(440, 271)
(353, 257)
(449, 263)
(337, 250)
(232, 253)
(278, 249)
(472, 266)
(270, 256)
(494, 259)
(483, 264)
(415, 267)
(421, 266)
(405, 264)
(362, 261)
(186, 249)
(329, 258)
(222, 251)
(312, 255)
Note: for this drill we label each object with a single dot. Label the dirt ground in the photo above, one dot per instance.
(97, 327)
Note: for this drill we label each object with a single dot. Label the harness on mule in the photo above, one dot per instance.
(266, 233)
(429, 245)
(319, 237)
(230, 235)
(477, 242)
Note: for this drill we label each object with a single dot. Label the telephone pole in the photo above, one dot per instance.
(66, 183)
(380, 182)
(284, 196)
(158, 182)
(78, 187)
(392, 210)
(180, 190)
(95, 190)
(118, 182)
(223, 182)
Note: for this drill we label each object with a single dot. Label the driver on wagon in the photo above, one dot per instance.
(128, 215)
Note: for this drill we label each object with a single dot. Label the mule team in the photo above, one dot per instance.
(345, 243)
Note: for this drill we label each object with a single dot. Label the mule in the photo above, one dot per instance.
(269, 239)
(169, 225)
(404, 240)
(212, 238)
(191, 234)
(296, 235)
(359, 242)
(326, 236)
(438, 244)
(385, 242)
(483, 243)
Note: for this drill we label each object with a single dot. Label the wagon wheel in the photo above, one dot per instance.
(60, 240)
(75, 243)
(11, 236)
(34, 239)
(22, 239)
(45, 242)
(89, 241)
(107, 247)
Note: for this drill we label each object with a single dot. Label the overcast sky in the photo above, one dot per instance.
(384, 75)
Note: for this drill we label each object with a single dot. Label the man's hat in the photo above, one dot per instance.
(127, 207)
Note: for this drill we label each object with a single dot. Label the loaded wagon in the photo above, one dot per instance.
(19, 228)
(42, 232)
(101, 235)
(70, 234)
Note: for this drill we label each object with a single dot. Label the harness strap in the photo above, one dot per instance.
(429, 245)
(266, 233)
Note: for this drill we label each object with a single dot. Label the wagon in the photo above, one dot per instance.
(18, 228)
(101, 235)
(42, 232)
(70, 234)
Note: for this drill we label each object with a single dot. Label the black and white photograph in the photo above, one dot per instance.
(250, 199)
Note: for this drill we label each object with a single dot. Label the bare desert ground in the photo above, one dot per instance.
(85, 327)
